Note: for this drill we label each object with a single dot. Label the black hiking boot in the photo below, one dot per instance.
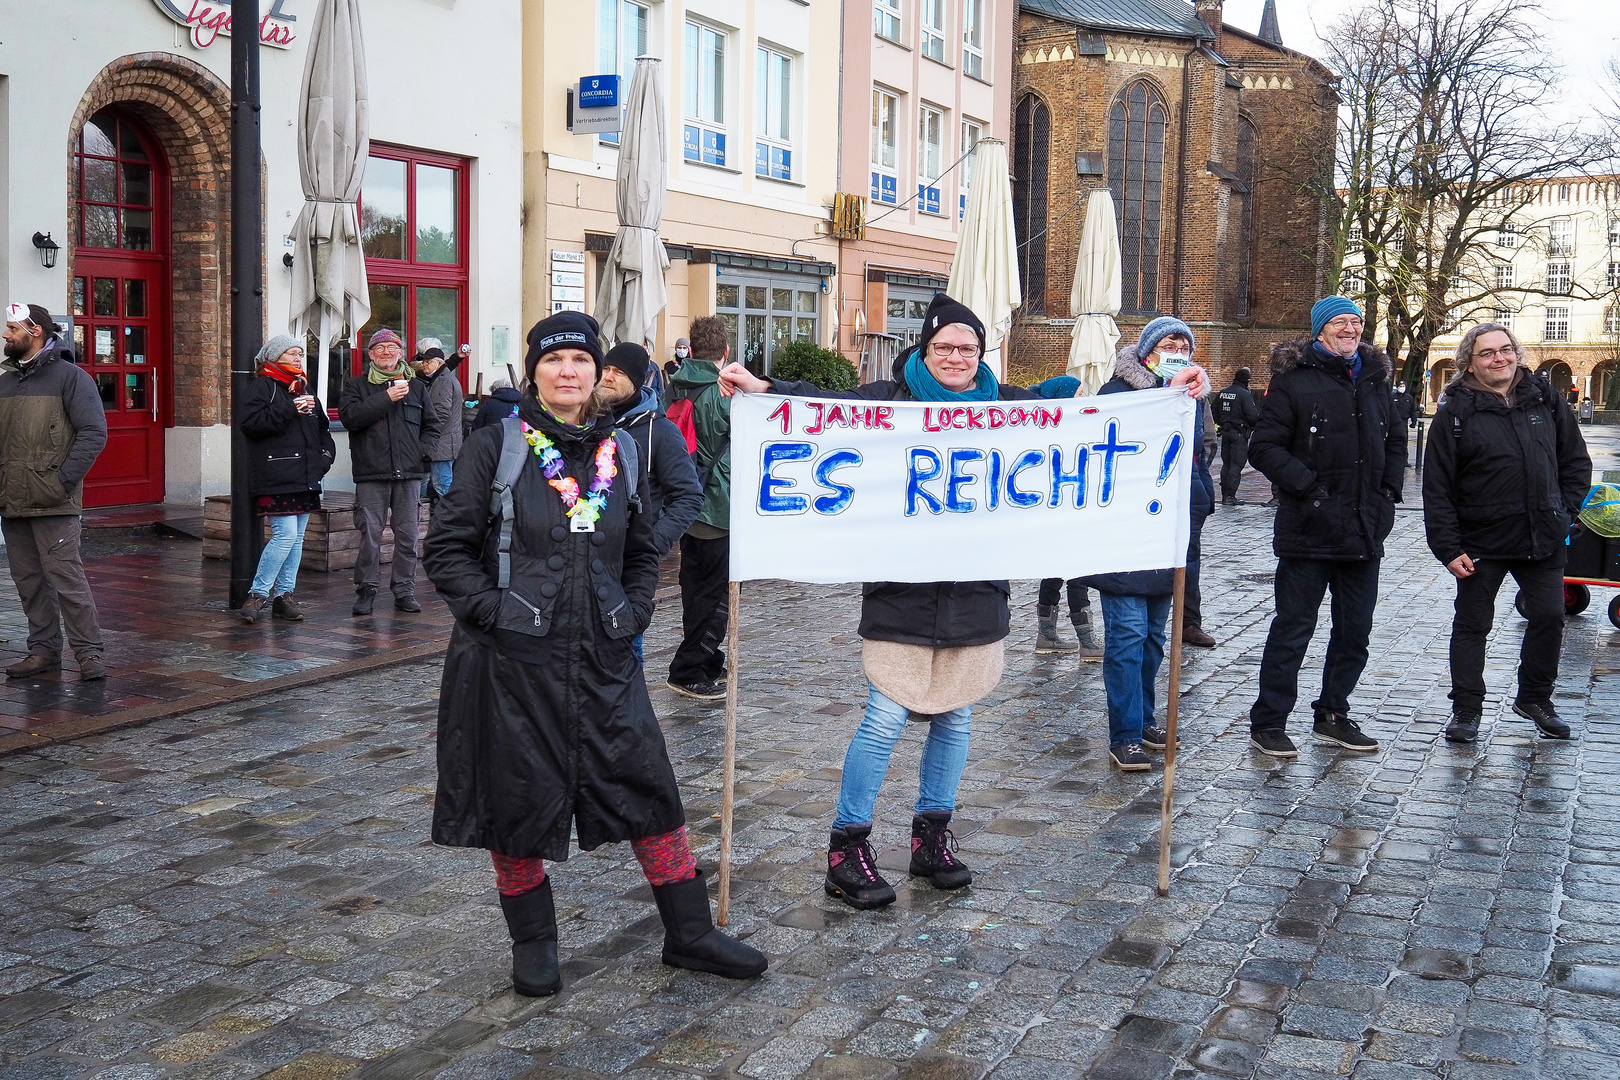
(852, 873)
(932, 844)
(1464, 726)
(1542, 715)
(365, 598)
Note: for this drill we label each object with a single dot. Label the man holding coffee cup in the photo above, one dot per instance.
(385, 411)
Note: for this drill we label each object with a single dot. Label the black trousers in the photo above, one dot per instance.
(1192, 612)
(705, 571)
(1234, 455)
(1079, 598)
(1300, 585)
(1541, 592)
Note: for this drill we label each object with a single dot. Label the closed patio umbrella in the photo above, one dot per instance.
(632, 291)
(334, 138)
(1094, 299)
(984, 273)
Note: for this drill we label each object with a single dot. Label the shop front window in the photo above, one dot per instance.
(763, 315)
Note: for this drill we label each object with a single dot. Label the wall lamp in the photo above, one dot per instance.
(47, 249)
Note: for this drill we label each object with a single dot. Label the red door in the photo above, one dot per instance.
(120, 304)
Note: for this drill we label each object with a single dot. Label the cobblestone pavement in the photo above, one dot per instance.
(250, 892)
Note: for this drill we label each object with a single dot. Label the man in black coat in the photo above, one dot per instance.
(385, 411)
(1236, 413)
(1328, 442)
(1507, 471)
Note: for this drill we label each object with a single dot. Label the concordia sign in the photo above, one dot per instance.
(208, 20)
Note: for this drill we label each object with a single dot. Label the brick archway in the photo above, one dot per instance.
(187, 109)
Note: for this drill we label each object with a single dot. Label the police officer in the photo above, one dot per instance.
(1236, 413)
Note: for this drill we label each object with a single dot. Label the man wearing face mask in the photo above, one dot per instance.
(1330, 445)
(1405, 409)
(683, 352)
(52, 427)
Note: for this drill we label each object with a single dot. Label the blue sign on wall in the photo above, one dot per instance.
(599, 91)
(884, 188)
(927, 199)
(691, 143)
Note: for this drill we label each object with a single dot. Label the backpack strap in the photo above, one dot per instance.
(630, 454)
(514, 452)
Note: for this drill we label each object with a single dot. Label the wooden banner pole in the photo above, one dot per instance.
(1171, 713)
(728, 768)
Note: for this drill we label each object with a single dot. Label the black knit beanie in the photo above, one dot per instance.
(631, 359)
(942, 312)
(564, 330)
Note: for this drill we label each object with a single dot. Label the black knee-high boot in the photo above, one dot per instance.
(531, 917)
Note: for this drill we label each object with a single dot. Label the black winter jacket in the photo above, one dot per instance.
(1332, 450)
(495, 408)
(939, 614)
(1503, 481)
(544, 720)
(386, 437)
(290, 451)
(673, 496)
(444, 401)
(1235, 410)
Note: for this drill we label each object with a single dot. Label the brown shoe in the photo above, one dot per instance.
(285, 607)
(91, 669)
(1194, 635)
(33, 664)
(253, 608)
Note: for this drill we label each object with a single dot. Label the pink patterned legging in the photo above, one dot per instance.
(664, 859)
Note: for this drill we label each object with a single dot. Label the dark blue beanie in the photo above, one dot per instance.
(1329, 308)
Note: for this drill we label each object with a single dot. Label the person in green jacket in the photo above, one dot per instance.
(698, 669)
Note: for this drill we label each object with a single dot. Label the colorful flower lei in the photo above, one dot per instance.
(551, 463)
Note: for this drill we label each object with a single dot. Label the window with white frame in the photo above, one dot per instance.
(930, 149)
(1504, 275)
(622, 35)
(1352, 283)
(1563, 193)
(1503, 316)
(886, 19)
(1507, 235)
(1613, 279)
(972, 132)
(773, 114)
(1451, 320)
(705, 97)
(885, 147)
(1561, 236)
(1353, 240)
(1611, 320)
(1614, 232)
(973, 38)
(1556, 327)
(932, 14)
(1558, 277)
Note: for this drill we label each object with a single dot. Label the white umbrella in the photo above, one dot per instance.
(984, 273)
(334, 138)
(632, 291)
(1094, 299)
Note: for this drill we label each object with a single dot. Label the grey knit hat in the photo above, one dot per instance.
(276, 346)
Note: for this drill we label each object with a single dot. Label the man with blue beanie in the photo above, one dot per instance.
(1328, 441)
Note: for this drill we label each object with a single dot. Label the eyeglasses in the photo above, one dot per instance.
(1505, 352)
(941, 350)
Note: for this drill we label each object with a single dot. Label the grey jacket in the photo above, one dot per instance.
(444, 403)
(52, 428)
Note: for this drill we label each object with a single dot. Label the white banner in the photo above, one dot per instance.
(837, 490)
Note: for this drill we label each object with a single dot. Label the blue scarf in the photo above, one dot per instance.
(924, 387)
(1353, 363)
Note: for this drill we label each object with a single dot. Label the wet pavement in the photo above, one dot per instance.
(249, 891)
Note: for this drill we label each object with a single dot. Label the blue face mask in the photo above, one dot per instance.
(1172, 364)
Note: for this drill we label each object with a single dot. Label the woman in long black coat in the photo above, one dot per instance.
(290, 450)
(545, 725)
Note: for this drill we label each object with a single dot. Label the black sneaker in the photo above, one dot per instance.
(852, 873)
(1129, 758)
(407, 603)
(932, 851)
(1273, 742)
(1230, 500)
(365, 597)
(1340, 730)
(706, 690)
(1464, 726)
(1544, 717)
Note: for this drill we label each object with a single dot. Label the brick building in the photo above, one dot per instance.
(1218, 146)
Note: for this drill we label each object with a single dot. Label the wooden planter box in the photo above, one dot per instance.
(331, 542)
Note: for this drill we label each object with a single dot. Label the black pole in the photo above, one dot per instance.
(247, 279)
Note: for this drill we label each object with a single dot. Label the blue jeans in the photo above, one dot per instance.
(1133, 649)
(438, 477)
(278, 566)
(867, 760)
(636, 645)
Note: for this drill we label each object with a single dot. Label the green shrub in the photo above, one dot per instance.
(805, 361)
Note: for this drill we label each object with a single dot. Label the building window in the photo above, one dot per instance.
(763, 314)
(1503, 316)
(1614, 232)
(622, 35)
(1561, 236)
(930, 137)
(773, 114)
(1557, 324)
(906, 308)
(1611, 320)
(885, 147)
(1353, 240)
(1563, 193)
(1558, 278)
(886, 19)
(1613, 278)
(933, 29)
(1136, 131)
(1504, 276)
(1507, 235)
(1032, 139)
(972, 132)
(704, 138)
(413, 228)
(1242, 280)
(115, 186)
(973, 38)
(1352, 283)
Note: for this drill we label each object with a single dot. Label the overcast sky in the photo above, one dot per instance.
(1584, 34)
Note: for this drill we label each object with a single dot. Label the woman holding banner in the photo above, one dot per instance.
(548, 563)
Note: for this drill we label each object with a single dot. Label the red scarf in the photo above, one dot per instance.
(291, 379)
